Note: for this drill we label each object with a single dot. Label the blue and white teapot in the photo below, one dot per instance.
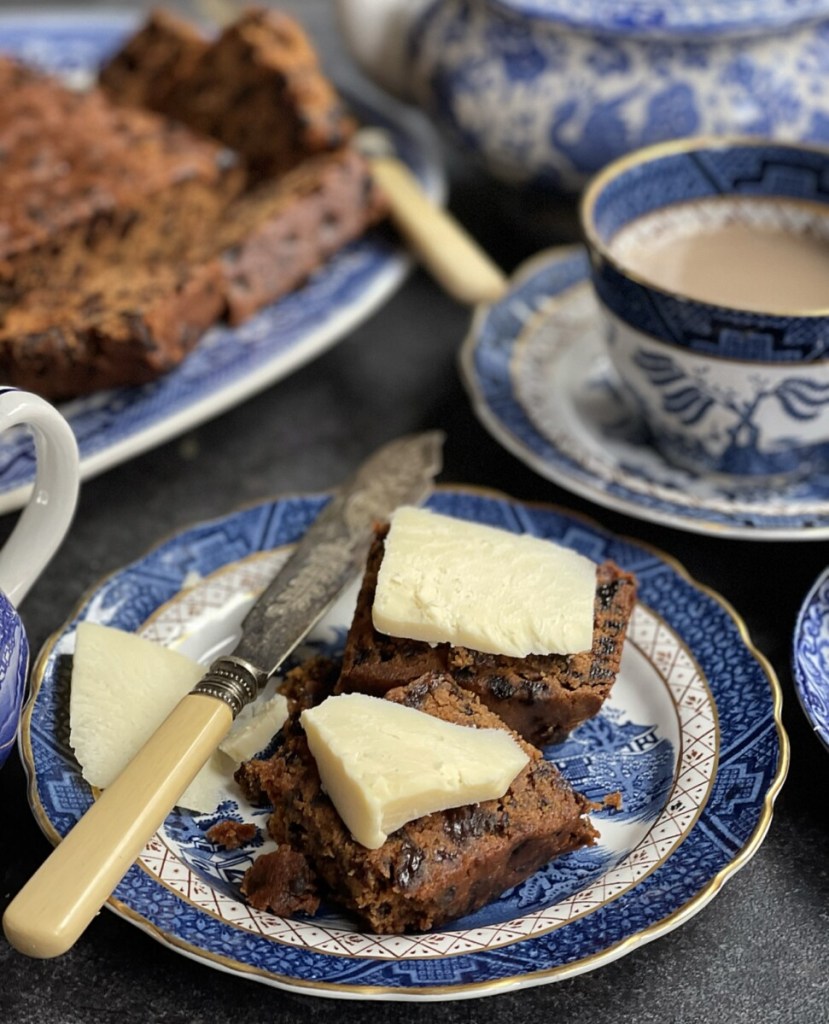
(546, 92)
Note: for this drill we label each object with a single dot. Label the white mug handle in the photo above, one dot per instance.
(45, 519)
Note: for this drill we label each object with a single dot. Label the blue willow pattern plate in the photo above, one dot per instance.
(810, 656)
(228, 365)
(539, 378)
(691, 739)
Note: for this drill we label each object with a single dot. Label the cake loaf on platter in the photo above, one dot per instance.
(123, 321)
(200, 182)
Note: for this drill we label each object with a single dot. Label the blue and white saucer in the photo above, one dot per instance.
(691, 738)
(228, 365)
(540, 381)
(810, 656)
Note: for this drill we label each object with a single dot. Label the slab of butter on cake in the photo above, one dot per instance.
(534, 629)
(384, 764)
(446, 580)
(432, 868)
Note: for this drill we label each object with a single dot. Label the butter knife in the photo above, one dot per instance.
(52, 910)
(441, 243)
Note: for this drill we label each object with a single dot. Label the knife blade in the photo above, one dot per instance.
(321, 564)
(55, 906)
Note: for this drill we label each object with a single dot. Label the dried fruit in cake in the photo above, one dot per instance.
(125, 317)
(120, 329)
(541, 696)
(273, 237)
(440, 866)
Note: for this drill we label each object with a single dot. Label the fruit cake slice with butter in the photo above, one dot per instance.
(432, 868)
(496, 590)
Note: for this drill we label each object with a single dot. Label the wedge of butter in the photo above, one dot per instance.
(383, 764)
(124, 686)
(445, 580)
(253, 731)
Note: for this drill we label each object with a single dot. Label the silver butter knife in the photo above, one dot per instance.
(52, 910)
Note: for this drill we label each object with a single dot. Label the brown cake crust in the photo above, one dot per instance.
(541, 697)
(165, 50)
(442, 865)
(258, 88)
(120, 330)
(84, 180)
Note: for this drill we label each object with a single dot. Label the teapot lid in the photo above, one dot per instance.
(663, 18)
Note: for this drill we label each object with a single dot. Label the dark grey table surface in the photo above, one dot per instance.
(758, 952)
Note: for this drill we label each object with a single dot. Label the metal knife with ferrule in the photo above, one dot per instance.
(54, 907)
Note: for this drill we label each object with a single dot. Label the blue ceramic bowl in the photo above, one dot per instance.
(14, 663)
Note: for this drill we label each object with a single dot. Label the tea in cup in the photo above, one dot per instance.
(41, 527)
(710, 261)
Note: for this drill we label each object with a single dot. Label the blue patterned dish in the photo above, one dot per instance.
(536, 368)
(546, 92)
(691, 738)
(810, 656)
(229, 365)
(670, 17)
(14, 666)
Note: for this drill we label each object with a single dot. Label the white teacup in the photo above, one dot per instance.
(37, 534)
(710, 261)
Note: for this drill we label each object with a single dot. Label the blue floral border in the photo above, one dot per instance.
(670, 18)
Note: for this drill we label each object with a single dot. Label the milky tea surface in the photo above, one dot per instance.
(759, 256)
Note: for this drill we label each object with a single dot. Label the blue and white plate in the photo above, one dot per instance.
(810, 656)
(229, 365)
(541, 382)
(691, 739)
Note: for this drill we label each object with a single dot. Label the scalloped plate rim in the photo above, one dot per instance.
(626, 943)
